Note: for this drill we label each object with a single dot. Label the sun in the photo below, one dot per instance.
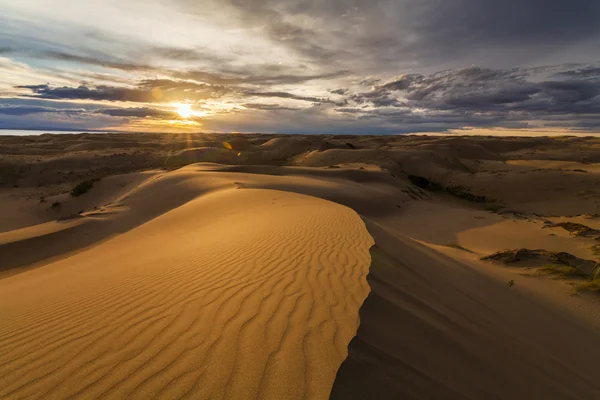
(185, 110)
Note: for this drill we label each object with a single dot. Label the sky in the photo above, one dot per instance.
(301, 66)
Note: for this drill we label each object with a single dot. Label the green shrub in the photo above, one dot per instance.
(593, 285)
(83, 187)
(463, 192)
(424, 183)
(565, 272)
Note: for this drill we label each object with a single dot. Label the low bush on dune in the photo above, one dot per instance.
(543, 258)
(596, 250)
(575, 229)
(461, 192)
(83, 187)
(592, 285)
(565, 272)
(583, 274)
(424, 183)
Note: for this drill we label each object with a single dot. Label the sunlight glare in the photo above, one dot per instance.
(185, 110)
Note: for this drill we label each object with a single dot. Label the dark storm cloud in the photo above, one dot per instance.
(48, 104)
(395, 32)
(106, 93)
(483, 89)
(536, 21)
(135, 112)
(481, 96)
(27, 110)
(378, 98)
(586, 72)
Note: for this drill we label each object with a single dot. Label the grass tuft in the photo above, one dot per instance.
(592, 285)
(596, 250)
(83, 187)
(565, 272)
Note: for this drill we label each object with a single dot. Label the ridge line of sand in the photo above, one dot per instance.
(236, 294)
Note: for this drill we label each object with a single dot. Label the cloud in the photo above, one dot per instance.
(146, 52)
(182, 86)
(449, 99)
(261, 74)
(388, 65)
(385, 34)
(135, 112)
(586, 72)
(341, 92)
(139, 112)
(100, 93)
(120, 65)
(484, 96)
(285, 95)
(20, 110)
(147, 91)
(158, 90)
(269, 107)
(254, 77)
(186, 54)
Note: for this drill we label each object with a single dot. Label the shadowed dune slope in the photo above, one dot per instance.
(236, 294)
(436, 328)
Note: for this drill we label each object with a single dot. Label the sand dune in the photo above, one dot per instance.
(237, 294)
(247, 280)
(449, 331)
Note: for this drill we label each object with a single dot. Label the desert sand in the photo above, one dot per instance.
(257, 266)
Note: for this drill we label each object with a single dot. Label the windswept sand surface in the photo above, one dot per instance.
(236, 294)
(302, 267)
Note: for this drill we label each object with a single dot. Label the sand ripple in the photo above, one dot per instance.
(237, 294)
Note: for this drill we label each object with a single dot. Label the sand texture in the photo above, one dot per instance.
(236, 294)
(299, 267)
